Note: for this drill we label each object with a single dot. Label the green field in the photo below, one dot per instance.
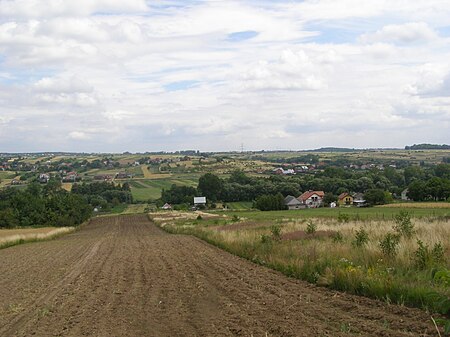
(145, 189)
(240, 205)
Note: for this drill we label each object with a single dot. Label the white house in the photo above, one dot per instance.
(312, 199)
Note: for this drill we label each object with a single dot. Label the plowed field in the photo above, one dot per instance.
(122, 276)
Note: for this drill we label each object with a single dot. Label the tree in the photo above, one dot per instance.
(417, 190)
(375, 196)
(329, 198)
(210, 186)
(270, 202)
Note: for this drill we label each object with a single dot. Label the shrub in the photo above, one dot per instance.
(361, 238)
(342, 217)
(403, 225)
(199, 217)
(437, 253)
(266, 239)
(235, 218)
(421, 255)
(276, 232)
(389, 244)
(338, 237)
(311, 227)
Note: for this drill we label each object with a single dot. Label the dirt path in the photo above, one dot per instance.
(122, 276)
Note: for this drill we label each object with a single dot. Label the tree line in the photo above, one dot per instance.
(379, 186)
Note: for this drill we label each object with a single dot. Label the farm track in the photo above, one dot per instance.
(123, 276)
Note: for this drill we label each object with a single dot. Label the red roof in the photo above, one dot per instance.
(343, 195)
(308, 194)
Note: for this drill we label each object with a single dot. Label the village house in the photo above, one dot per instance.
(44, 178)
(312, 199)
(167, 206)
(123, 175)
(282, 171)
(404, 195)
(293, 203)
(345, 199)
(70, 177)
(104, 177)
(358, 199)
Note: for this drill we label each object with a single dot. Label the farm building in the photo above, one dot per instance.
(293, 203)
(404, 195)
(167, 206)
(199, 201)
(312, 199)
(345, 199)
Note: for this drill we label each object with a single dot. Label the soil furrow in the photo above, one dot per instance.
(123, 276)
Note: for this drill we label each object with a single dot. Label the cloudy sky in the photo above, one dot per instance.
(136, 75)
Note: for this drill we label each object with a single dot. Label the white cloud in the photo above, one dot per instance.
(79, 135)
(431, 80)
(68, 68)
(52, 8)
(293, 70)
(405, 33)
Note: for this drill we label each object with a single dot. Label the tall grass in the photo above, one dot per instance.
(364, 269)
(17, 239)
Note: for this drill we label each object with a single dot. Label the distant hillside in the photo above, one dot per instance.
(428, 147)
(333, 149)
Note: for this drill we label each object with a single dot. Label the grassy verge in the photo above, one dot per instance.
(17, 238)
(377, 258)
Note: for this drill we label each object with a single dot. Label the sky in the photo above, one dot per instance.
(136, 75)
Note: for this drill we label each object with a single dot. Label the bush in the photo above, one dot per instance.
(342, 217)
(389, 244)
(311, 227)
(199, 217)
(424, 256)
(276, 232)
(266, 239)
(403, 225)
(270, 202)
(361, 238)
(338, 237)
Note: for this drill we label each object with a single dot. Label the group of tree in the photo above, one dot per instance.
(42, 206)
(378, 186)
(104, 194)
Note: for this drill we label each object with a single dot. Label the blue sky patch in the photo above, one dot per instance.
(180, 85)
(242, 36)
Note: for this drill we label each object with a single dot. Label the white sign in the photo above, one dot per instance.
(199, 200)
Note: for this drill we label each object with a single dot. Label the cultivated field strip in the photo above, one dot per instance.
(123, 276)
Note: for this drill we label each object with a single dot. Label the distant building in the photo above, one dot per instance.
(167, 206)
(312, 199)
(404, 195)
(345, 199)
(282, 171)
(358, 199)
(44, 178)
(123, 175)
(199, 201)
(332, 204)
(104, 177)
(293, 203)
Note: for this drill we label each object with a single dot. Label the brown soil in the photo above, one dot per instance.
(301, 235)
(122, 276)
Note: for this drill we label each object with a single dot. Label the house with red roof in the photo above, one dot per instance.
(345, 199)
(312, 199)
